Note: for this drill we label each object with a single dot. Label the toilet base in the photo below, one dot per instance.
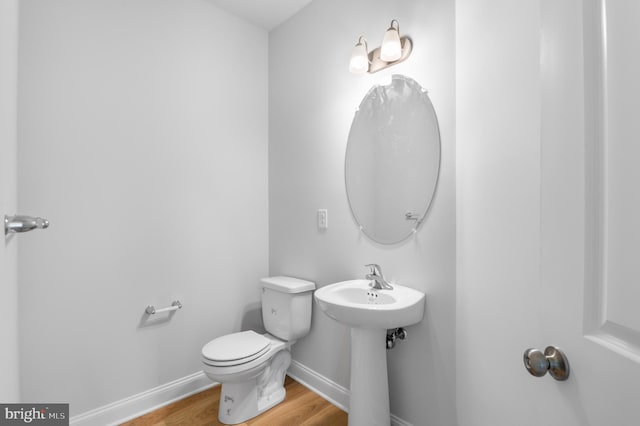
(241, 401)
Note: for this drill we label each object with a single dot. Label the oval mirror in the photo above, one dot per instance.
(392, 160)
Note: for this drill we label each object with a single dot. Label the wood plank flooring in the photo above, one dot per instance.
(301, 407)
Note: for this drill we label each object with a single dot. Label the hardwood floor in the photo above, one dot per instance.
(301, 407)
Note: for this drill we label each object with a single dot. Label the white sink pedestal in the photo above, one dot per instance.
(370, 313)
(369, 400)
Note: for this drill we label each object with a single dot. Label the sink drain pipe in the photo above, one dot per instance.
(392, 335)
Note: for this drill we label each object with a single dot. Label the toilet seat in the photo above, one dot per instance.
(247, 365)
(235, 349)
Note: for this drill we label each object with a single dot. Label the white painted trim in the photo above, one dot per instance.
(331, 391)
(328, 389)
(397, 421)
(152, 399)
(144, 402)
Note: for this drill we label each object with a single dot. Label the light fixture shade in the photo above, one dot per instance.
(359, 62)
(391, 49)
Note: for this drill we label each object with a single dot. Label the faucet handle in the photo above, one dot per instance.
(375, 269)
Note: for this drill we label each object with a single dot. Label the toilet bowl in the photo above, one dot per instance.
(239, 356)
(252, 366)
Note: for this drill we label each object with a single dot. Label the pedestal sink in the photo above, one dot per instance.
(369, 313)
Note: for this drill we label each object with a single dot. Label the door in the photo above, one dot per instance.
(548, 210)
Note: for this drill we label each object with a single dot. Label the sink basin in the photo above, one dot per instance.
(369, 313)
(355, 304)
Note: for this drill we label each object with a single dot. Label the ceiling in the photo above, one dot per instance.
(266, 14)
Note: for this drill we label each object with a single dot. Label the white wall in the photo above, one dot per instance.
(498, 200)
(312, 99)
(143, 139)
(9, 364)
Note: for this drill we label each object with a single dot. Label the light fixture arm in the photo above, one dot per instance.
(359, 62)
(362, 40)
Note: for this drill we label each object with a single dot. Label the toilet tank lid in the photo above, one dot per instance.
(288, 284)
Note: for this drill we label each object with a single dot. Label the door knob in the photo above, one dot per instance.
(21, 223)
(552, 360)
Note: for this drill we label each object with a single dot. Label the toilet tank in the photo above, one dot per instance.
(286, 306)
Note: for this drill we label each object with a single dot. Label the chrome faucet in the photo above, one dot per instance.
(376, 277)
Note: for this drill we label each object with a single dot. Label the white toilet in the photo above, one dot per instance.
(252, 366)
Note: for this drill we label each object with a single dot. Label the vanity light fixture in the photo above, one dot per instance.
(394, 49)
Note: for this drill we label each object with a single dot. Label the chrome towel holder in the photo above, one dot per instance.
(151, 310)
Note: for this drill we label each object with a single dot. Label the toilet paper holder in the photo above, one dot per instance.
(151, 310)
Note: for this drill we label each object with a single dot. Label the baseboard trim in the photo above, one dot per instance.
(328, 389)
(397, 421)
(144, 402)
(137, 405)
(331, 391)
